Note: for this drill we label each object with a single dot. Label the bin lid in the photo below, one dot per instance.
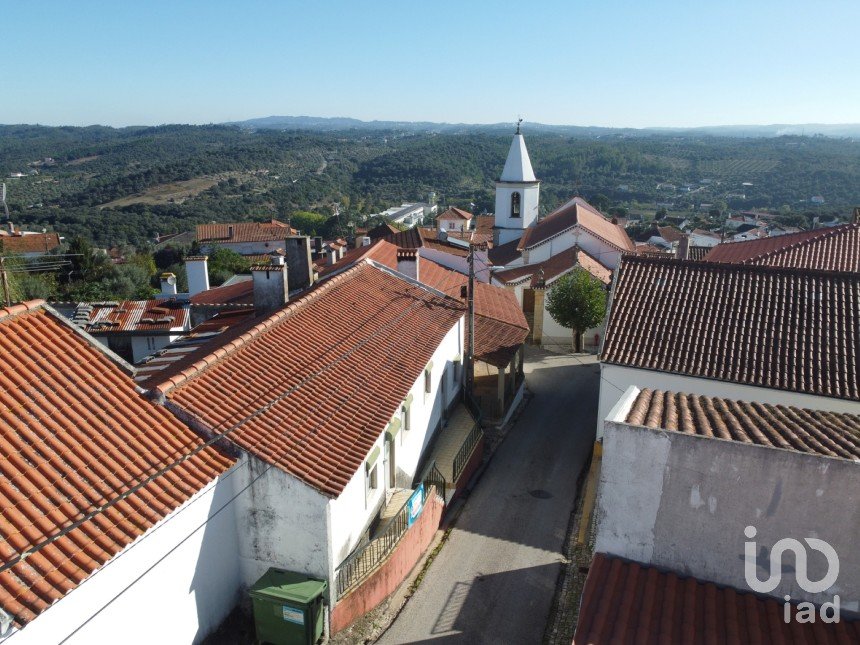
(278, 584)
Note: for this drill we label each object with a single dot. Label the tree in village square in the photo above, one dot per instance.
(577, 301)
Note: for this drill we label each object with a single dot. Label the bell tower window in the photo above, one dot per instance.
(515, 205)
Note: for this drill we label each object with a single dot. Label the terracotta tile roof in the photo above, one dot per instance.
(576, 211)
(504, 253)
(815, 432)
(455, 213)
(379, 251)
(500, 325)
(411, 238)
(431, 241)
(31, 243)
(555, 267)
(779, 328)
(381, 231)
(310, 389)
(833, 249)
(238, 293)
(131, 316)
(75, 435)
(626, 602)
(244, 232)
(670, 233)
(485, 224)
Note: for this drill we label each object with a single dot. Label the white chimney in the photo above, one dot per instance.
(168, 285)
(408, 262)
(197, 269)
(271, 288)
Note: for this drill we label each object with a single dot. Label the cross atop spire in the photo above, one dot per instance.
(518, 124)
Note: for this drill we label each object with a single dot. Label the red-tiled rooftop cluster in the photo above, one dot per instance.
(786, 329)
(818, 432)
(29, 243)
(500, 325)
(628, 603)
(75, 435)
(311, 388)
(831, 249)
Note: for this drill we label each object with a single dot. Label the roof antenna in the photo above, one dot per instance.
(518, 124)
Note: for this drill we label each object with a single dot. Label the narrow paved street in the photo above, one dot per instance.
(494, 580)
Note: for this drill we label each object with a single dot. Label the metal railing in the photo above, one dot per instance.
(434, 477)
(465, 451)
(363, 561)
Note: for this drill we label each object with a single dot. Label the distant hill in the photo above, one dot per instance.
(744, 131)
(125, 186)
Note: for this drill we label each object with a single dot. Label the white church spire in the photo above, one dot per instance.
(518, 166)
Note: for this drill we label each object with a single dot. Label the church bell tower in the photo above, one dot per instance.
(517, 193)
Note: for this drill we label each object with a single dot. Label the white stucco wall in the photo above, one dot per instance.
(682, 502)
(350, 513)
(451, 224)
(606, 254)
(529, 205)
(176, 582)
(282, 522)
(620, 378)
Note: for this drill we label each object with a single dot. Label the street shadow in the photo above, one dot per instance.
(508, 607)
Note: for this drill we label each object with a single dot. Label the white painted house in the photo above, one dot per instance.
(782, 336)
(332, 409)
(130, 541)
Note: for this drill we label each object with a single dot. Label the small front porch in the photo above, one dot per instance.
(498, 389)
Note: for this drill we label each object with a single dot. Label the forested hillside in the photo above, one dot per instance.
(124, 186)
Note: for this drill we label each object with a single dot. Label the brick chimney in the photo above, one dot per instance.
(856, 218)
(271, 286)
(408, 262)
(230, 230)
(197, 269)
(168, 285)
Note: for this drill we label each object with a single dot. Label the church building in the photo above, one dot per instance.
(530, 253)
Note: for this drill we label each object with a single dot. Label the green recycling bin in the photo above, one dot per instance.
(288, 608)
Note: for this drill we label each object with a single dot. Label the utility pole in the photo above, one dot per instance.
(6, 295)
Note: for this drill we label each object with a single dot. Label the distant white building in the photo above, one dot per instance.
(408, 214)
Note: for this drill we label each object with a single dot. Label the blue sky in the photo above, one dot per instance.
(637, 64)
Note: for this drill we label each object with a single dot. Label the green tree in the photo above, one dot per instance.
(577, 301)
(224, 263)
(308, 223)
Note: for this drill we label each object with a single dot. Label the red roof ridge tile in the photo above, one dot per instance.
(20, 308)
